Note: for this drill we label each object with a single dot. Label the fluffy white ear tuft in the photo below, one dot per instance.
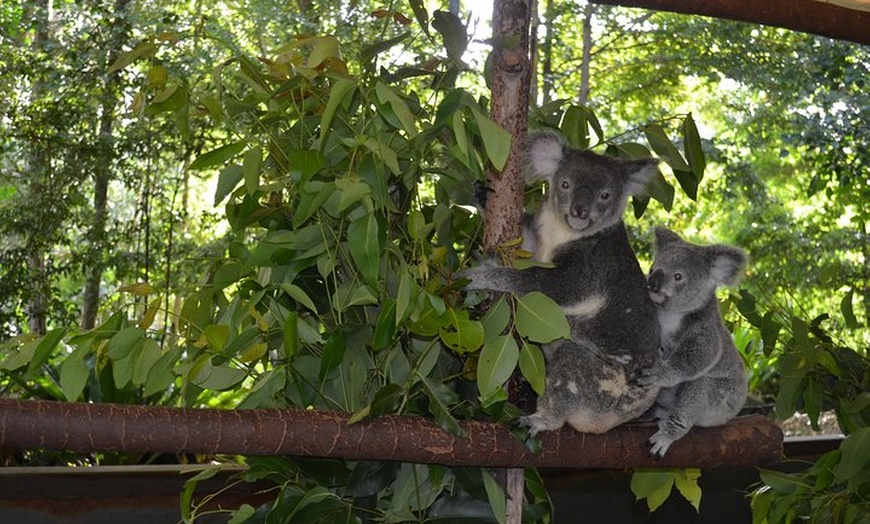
(545, 152)
(726, 264)
(638, 173)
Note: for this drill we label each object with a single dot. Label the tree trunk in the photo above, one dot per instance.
(511, 73)
(547, 52)
(809, 16)
(37, 173)
(103, 169)
(588, 12)
(83, 427)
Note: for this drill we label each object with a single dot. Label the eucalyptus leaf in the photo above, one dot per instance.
(540, 319)
(498, 359)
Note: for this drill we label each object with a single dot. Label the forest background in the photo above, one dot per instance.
(115, 193)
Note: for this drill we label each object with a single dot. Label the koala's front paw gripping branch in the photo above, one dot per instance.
(750, 440)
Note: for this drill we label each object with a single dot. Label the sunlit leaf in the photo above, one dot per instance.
(687, 484)
(461, 334)
(496, 141)
(73, 377)
(652, 485)
(498, 359)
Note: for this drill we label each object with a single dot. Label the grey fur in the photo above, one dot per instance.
(701, 374)
(596, 279)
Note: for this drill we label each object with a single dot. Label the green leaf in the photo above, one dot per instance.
(146, 357)
(221, 378)
(217, 156)
(847, 311)
(782, 483)
(575, 127)
(124, 342)
(461, 334)
(365, 249)
(453, 33)
(388, 96)
(440, 398)
(533, 367)
(290, 335)
(251, 167)
(692, 147)
(162, 373)
(73, 377)
(216, 335)
(333, 353)
(495, 495)
(243, 514)
(421, 14)
(385, 328)
(368, 52)
(386, 153)
(540, 319)
(496, 319)
(404, 296)
(855, 454)
(340, 89)
(142, 50)
(653, 485)
(313, 195)
(325, 48)
(687, 484)
(496, 141)
(44, 349)
(228, 179)
(297, 294)
(498, 359)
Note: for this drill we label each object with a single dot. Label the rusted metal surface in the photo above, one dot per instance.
(749, 440)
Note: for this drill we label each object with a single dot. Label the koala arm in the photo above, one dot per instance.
(692, 356)
(504, 279)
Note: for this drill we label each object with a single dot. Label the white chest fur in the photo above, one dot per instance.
(551, 232)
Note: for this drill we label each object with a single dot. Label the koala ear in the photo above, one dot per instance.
(665, 236)
(546, 150)
(727, 264)
(637, 173)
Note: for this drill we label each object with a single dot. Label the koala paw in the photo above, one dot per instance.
(479, 277)
(538, 422)
(644, 378)
(660, 444)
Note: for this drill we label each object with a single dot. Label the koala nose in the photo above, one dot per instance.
(656, 279)
(580, 212)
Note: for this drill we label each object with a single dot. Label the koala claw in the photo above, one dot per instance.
(537, 423)
(644, 378)
(660, 444)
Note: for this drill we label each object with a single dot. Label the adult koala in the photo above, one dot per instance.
(597, 281)
(701, 374)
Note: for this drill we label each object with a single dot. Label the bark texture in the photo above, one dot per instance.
(750, 440)
(511, 74)
(808, 16)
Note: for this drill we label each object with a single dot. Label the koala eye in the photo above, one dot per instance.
(604, 195)
(678, 276)
(565, 184)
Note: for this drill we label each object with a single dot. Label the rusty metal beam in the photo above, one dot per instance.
(808, 16)
(750, 440)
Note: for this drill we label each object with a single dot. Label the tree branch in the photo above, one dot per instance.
(808, 16)
(81, 427)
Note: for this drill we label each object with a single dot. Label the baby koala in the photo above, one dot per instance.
(701, 374)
